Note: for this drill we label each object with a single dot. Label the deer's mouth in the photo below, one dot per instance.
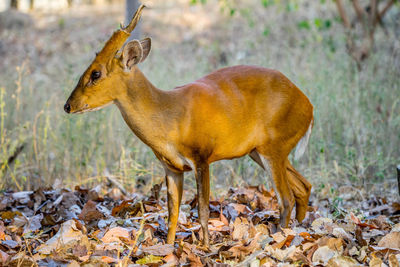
(87, 108)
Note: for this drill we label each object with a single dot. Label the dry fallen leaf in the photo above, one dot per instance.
(323, 254)
(149, 259)
(241, 250)
(190, 255)
(394, 260)
(108, 260)
(240, 208)
(159, 250)
(282, 254)
(90, 212)
(73, 263)
(223, 219)
(319, 225)
(123, 208)
(170, 260)
(115, 234)
(376, 262)
(240, 228)
(278, 237)
(267, 262)
(336, 244)
(3, 257)
(357, 221)
(21, 259)
(340, 232)
(216, 225)
(68, 236)
(34, 223)
(262, 228)
(80, 251)
(391, 240)
(342, 261)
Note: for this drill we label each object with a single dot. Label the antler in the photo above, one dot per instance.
(120, 36)
(131, 26)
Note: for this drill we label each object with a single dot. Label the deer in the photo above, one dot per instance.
(229, 113)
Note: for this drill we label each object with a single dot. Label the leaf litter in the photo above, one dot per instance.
(92, 227)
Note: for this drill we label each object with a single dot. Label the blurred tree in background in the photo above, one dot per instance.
(367, 16)
(360, 24)
(14, 4)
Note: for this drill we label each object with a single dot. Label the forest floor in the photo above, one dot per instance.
(106, 226)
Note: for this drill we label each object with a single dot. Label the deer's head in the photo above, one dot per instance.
(101, 83)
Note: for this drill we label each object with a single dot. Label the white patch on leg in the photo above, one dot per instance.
(188, 161)
(302, 144)
(268, 170)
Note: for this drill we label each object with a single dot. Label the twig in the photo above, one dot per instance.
(359, 10)
(114, 182)
(126, 258)
(35, 150)
(374, 14)
(12, 158)
(250, 258)
(16, 153)
(386, 8)
(29, 250)
(398, 177)
(343, 14)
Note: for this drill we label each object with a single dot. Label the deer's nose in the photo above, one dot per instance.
(67, 108)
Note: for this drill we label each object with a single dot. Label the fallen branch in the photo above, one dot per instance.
(112, 181)
(12, 158)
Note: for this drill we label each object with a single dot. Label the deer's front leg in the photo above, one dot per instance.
(203, 193)
(174, 192)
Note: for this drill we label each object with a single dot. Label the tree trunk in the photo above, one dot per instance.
(14, 4)
(130, 9)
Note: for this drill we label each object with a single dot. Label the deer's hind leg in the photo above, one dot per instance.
(277, 165)
(300, 187)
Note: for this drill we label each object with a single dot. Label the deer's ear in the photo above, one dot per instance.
(146, 47)
(135, 52)
(132, 54)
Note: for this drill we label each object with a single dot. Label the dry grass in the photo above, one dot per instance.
(356, 136)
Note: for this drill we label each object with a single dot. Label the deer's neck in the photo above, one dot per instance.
(147, 110)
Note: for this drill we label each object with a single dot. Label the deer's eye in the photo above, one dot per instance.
(95, 75)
